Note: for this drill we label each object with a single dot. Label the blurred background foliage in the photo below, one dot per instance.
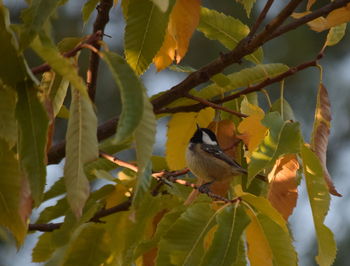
(300, 90)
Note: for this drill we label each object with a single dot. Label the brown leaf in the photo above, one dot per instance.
(283, 191)
(320, 133)
(26, 200)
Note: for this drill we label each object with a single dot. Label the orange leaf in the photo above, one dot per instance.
(320, 133)
(226, 134)
(283, 193)
(183, 20)
(116, 196)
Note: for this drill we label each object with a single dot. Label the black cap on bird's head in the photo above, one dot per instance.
(204, 135)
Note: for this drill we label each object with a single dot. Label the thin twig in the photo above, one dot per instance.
(213, 105)
(119, 162)
(260, 18)
(124, 206)
(104, 131)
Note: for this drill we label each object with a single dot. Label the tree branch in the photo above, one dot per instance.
(162, 176)
(90, 40)
(213, 105)
(124, 206)
(315, 14)
(104, 131)
(100, 23)
(196, 107)
(244, 47)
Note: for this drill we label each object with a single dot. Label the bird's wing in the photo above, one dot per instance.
(218, 153)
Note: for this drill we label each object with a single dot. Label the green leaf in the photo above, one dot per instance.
(144, 33)
(243, 78)
(162, 228)
(131, 90)
(56, 189)
(241, 259)
(54, 211)
(68, 43)
(8, 125)
(58, 92)
(288, 113)
(144, 138)
(10, 187)
(33, 125)
(12, 67)
(284, 137)
(226, 243)
(88, 8)
(90, 246)
(61, 65)
(227, 30)
(54, 244)
(34, 19)
(247, 4)
(263, 206)
(183, 243)
(127, 229)
(335, 34)
(319, 200)
(43, 248)
(81, 147)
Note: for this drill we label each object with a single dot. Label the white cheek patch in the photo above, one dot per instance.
(207, 139)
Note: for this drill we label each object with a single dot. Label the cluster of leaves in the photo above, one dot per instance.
(155, 229)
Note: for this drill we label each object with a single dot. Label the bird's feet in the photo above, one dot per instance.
(205, 188)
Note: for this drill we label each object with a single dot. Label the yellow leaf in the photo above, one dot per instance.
(208, 239)
(283, 191)
(117, 196)
(183, 20)
(334, 18)
(181, 127)
(251, 129)
(259, 251)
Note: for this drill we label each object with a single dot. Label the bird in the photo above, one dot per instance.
(207, 161)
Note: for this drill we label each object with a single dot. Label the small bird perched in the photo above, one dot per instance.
(207, 161)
